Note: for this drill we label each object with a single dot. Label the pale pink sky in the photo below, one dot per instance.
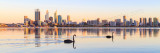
(13, 11)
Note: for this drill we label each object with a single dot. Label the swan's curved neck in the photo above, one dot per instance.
(73, 38)
(112, 33)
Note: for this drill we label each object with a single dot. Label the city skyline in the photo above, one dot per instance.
(88, 10)
(58, 21)
(79, 26)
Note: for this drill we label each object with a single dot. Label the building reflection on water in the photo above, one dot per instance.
(58, 32)
(49, 34)
(37, 36)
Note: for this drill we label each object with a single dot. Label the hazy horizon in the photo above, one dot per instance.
(13, 11)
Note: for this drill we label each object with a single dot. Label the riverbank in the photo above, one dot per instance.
(87, 27)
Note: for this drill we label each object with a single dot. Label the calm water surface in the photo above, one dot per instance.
(88, 40)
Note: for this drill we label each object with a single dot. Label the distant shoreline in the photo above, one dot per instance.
(79, 27)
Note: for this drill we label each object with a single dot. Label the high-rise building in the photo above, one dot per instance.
(141, 22)
(47, 16)
(56, 17)
(37, 15)
(37, 18)
(127, 23)
(98, 21)
(26, 20)
(150, 21)
(63, 22)
(104, 22)
(124, 20)
(51, 19)
(155, 22)
(59, 19)
(136, 23)
(92, 22)
(112, 23)
(144, 22)
(25, 16)
(31, 23)
(68, 18)
(118, 22)
(131, 21)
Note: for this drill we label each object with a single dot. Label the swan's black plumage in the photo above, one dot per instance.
(69, 41)
(110, 36)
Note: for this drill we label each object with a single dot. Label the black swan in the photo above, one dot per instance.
(110, 36)
(69, 41)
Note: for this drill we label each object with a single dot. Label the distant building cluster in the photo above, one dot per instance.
(125, 23)
(49, 20)
(57, 20)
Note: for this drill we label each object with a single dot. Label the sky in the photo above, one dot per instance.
(13, 11)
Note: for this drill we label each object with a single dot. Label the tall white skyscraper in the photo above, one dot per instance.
(47, 16)
(56, 17)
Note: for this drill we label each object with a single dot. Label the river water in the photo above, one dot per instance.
(87, 40)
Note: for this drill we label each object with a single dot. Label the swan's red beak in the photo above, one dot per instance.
(74, 35)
